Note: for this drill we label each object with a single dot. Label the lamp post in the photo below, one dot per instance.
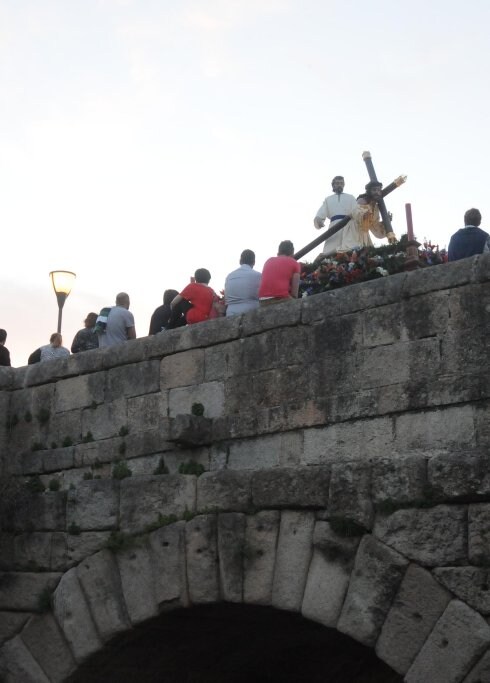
(62, 283)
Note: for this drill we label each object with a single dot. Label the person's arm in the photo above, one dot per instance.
(176, 301)
(75, 346)
(321, 214)
(131, 332)
(294, 285)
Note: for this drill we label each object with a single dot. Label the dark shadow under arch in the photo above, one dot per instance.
(226, 643)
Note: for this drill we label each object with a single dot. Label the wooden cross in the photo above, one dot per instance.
(389, 188)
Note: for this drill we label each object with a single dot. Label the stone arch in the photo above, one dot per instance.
(287, 559)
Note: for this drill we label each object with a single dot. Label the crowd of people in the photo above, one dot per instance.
(245, 288)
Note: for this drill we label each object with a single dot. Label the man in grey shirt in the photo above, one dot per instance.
(242, 286)
(120, 323)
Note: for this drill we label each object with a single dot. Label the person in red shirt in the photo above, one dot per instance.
(200, 295)
(280, 276)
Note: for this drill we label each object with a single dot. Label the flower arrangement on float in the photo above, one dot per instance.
(364, 264)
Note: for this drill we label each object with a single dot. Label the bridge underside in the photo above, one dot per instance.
(225, 643)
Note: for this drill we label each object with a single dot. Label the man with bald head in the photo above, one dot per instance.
(120, 323)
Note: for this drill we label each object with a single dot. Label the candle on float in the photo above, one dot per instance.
(408, 212)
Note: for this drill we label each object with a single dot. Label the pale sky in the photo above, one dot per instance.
(142, 139)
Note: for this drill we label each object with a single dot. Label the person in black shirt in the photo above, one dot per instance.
(4, 352)
(161, 315)
(86, 339)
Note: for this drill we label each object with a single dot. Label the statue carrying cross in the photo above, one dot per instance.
(351, 220)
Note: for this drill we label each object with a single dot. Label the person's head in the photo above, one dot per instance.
(122, 299)
(90, 320)
(203, 276)
(56, 339)
(247, 258)
(472, 217)
(286, 248)
(373, 189)
(3, 337)
(338, 184)
(169, 295)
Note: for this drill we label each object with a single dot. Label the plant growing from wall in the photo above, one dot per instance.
(54, 485)
(191, 467)
(37, 446)
(124, 431)
(161, 467)
(121, 470)
(67, 441)
(35, 485)
(43, 415)
(197, 409)
(88, 438)
(74, 529)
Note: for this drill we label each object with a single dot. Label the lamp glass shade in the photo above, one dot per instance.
(62, 281)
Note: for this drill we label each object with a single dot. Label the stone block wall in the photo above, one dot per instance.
(360, 415)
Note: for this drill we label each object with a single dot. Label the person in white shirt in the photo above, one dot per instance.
(54, 349)
(242, 286)
(335, 207)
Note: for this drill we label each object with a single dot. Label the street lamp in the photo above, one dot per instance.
(62, 283)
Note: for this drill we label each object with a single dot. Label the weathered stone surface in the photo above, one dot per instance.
(469, 584)
(39, 512)
(260, 555)
(11, 623)
(58, 459)
(210, 394)
(43, 638)
(22, 590)
(291, 487)
(17, 665)
(202, 559)
(143, 499)
(168, 551)
(135, 569)
(432, 537)
(399, 480)
(349, 495)
(481, 671)
(101, 583)
(328, 575)
(348, 441)
(461, 474)
(288, 313)
(40, 551)
(224, 490)
(182, 369)
(458, 640)
(93, 505)
(106, 420)
(133, 380)
(418, 605)
(223, 361)
(79, 392)
(73, 615)
(378, 571)
(80, 545)
(479, 533)
(231, 545)
(147, 412)
(191, 430)
(447, 428)
(274, 450)
(293, 554)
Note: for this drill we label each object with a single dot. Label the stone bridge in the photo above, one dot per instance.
(327, 457)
